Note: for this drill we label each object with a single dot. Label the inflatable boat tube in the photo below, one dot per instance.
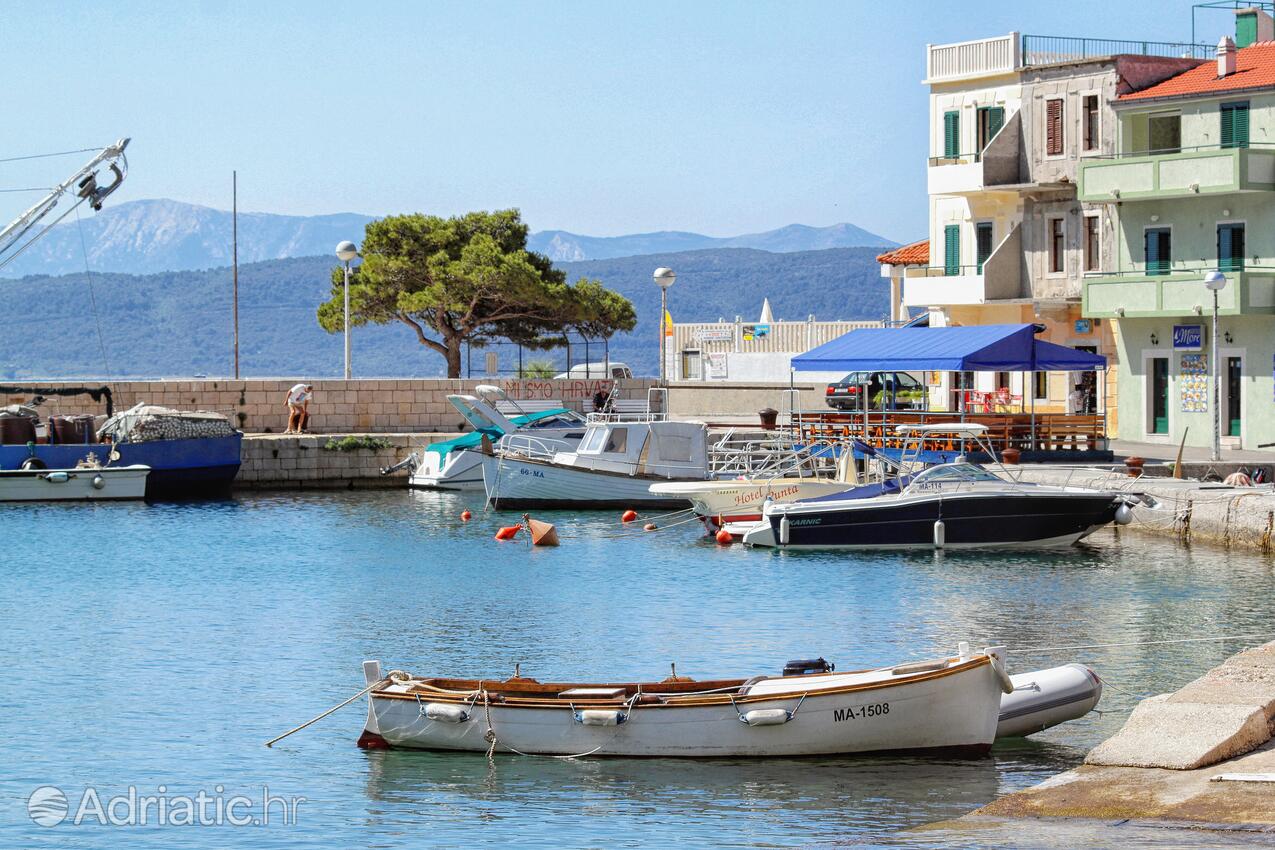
(1045, 698)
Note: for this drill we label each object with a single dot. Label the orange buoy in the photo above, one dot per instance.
(509, 532)
(650, 526)
(628, 516)
(466, 516)
(542, 533)
(724, 537)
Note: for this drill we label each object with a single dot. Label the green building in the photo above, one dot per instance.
(1193, 189)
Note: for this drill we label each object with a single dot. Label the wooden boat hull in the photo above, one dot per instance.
(522, 483)
(953, 709)
(73, 485)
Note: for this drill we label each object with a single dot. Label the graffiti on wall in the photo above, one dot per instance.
(544, 390)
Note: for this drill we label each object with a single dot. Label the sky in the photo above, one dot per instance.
(600, 117)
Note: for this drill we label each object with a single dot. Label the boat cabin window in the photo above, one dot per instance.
(617, 440)
(675, 448)
(955, 472)
(593, 441)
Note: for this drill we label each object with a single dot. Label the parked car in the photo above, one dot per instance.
(844, 394)
(596, 370)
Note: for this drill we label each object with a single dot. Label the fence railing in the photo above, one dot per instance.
(1049, 49)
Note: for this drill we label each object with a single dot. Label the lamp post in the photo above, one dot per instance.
(663, 279)
(346, 251)
(1215, 281)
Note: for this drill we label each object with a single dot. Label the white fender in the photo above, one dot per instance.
(765, 717)
(783, 530)
(445, 712)
(1124, 514)
(600, 717)
(940, 534)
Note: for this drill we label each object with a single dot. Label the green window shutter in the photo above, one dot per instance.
(1228, 127)
(952, 249)
(983, 244)
(1245, 28)
(1234, 125)
(1158, 251)
(1230, 247)
(951, 135)
(1241, 125)
(995, 120)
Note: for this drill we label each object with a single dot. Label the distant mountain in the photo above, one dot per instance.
(179, 323)
(561, 246)
(144, 237)
(141, 237)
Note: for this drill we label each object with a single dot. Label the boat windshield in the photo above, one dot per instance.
(955, 472)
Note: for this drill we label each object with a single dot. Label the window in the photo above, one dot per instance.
(1093, 245)
(692, 365)
(675, 448)
(1057, 246)
(1230, 247)
(1164, 133)
(952, 249)
(1235, 125)
(1040, 385)
(1159, 250)
(1091, 122)
(1054, 127)
(983, 243)
(951, 135)
(617, 440)
(990, 121)
(593, 441)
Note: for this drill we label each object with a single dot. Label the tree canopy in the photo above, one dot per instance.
(468, 278)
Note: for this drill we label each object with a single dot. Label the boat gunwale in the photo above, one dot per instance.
(692, 700)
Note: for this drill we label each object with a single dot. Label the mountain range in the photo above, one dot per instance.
(178, 323)
(151, 236)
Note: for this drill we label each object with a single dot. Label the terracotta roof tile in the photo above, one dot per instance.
(916, 254)
(1254, 68)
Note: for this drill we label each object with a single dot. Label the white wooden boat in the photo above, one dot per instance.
(947, 704)
(83, 484)
(614, 466)
(728, 503)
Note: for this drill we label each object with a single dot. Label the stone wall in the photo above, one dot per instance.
(382, 406)
(302, 463)
(720, 402)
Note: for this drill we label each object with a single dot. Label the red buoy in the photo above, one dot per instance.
(724, 537)
(509, 532)
(466, 516)
(628, 516)
(650, 526)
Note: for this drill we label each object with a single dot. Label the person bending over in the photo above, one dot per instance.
(299, 408)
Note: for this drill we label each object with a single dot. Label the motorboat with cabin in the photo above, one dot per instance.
(949, 505)
(456, 464)
(614, 465)
(946, 704)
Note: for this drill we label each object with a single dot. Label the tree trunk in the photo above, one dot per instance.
(453, 358)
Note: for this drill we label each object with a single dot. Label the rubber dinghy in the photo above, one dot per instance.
(947, 704)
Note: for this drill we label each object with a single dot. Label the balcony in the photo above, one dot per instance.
(1181, 293)
(1189, 173)
(1005, 54)
(999, 279)
(994, 168)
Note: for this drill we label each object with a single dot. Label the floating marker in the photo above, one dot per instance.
(628, 516)
(509, 532)
(650, 526)
(724, 537)
(466, 516)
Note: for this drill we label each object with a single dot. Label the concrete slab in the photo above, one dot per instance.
(1182, 735)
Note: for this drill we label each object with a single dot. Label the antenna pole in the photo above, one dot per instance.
(234, 229)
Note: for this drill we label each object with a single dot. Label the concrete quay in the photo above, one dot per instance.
(1202, 757)
(1191, 511)
(287, 462)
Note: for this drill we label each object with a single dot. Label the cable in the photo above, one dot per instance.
(44, 155)
(88, 275)
(30, 189)
(1139, 643)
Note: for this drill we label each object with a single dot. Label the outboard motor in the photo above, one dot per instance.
(805, 666)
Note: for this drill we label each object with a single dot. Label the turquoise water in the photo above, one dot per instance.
(162, 645)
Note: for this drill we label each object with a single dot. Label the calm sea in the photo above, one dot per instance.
(151, 647)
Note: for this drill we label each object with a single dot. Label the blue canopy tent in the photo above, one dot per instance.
(974, 348)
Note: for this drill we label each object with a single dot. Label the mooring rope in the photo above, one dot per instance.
(331, 710)
(1267, 636)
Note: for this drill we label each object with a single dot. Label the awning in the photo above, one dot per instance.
(974, 348)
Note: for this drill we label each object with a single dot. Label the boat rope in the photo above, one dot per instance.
(389, 678)
(88, 276)
(1041, 649)
(493, 739)
(1107, 683)
(46, 155)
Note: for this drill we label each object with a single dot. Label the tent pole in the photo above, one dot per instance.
(1033, 411)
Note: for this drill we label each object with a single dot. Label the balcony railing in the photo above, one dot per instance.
(1182, 149)
(1050, 49)
(1138, 293)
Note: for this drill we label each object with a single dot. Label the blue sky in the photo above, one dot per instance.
(596, 117)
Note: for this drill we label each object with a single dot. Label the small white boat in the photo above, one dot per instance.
(945, 704)
(456, 464)
(614, 466)
(83, 484)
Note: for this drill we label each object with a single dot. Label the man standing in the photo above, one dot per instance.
(299, 408)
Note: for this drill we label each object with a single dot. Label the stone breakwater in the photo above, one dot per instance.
(1191, 511)
(277, 461)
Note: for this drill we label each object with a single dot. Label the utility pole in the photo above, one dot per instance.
(234, 229)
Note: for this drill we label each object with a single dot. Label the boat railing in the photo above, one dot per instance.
(532, 447)
(771, 457)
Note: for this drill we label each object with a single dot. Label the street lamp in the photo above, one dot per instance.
(663, 279)
(346, 251)
(1216, 281)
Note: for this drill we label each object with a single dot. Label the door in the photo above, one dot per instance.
(983, 240)
(1230, 247)
(692, 365)
(1233, 389)
(1159, 395)
(990, 121)
(1159, 250)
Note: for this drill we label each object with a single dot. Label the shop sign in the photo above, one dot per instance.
(1084, 326)
(1188, 337)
